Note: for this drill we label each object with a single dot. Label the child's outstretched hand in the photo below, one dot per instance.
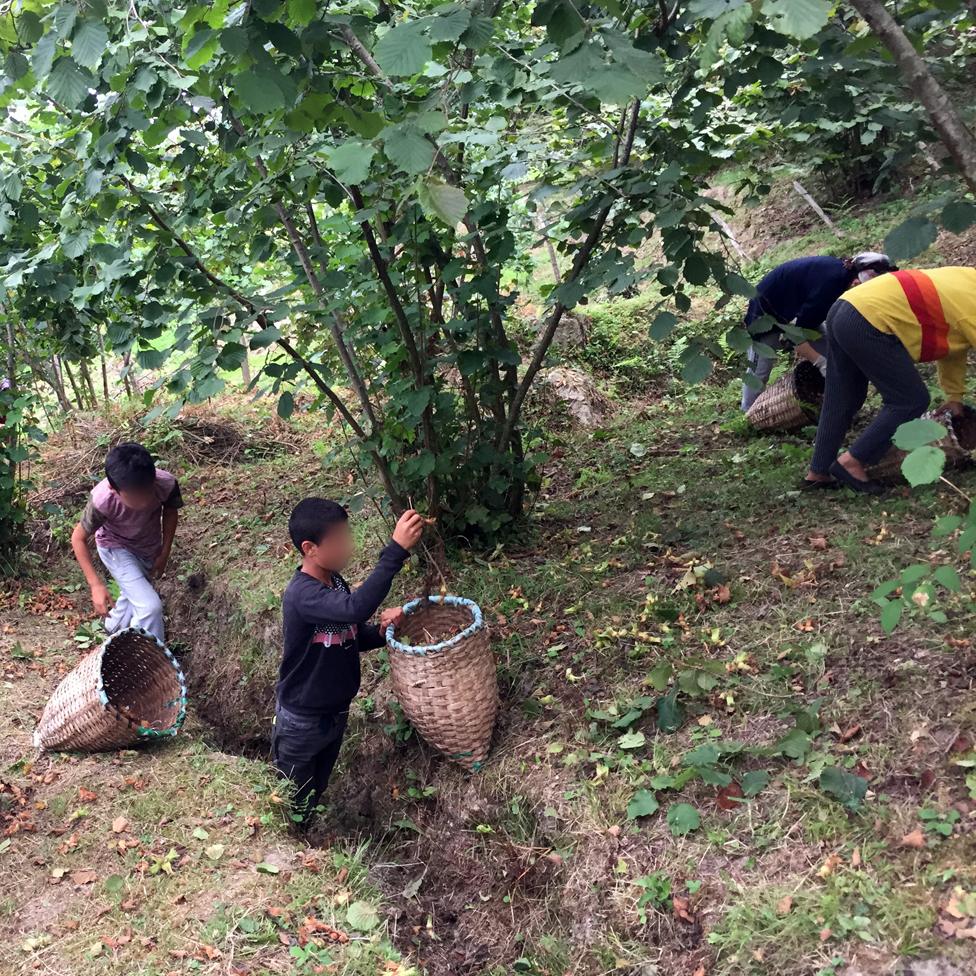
(409, 529)
(101, 599)
(392, 615)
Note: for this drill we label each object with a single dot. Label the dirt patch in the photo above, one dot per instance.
(957, 249)
(230, 663)
(74, 457)
(782, 216)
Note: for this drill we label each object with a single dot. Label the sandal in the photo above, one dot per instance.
(855, 484)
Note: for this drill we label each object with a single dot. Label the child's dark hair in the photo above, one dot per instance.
(130, 465)
(312, 518)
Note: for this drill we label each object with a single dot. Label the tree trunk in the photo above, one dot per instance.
(11, 364)
(101, 356)
(126, 370)
(79, 399)
(540, 226)
(57, 384)
(958, 139)
(89, 385)
(246, 372)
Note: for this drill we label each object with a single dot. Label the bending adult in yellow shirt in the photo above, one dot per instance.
(876, 333)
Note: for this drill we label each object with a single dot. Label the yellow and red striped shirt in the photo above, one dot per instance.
(932, 312)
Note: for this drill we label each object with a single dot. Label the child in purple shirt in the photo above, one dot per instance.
(132, 513)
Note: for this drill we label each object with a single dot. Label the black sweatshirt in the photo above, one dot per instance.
(315, 678)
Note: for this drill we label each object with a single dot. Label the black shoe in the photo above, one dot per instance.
(844, 477)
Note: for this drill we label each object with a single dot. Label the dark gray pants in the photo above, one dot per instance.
(305, 749)
(859, 354)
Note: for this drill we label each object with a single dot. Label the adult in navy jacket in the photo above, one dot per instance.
(800, 293)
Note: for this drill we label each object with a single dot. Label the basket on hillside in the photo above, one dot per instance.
(959, 444)
(444, 677)
(792, 402)
(128, 690)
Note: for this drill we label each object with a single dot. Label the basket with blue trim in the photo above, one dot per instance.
(129, 690)
(444, 676)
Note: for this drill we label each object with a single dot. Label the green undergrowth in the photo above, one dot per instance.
(676, 625)
(620, 345)
(710, 755)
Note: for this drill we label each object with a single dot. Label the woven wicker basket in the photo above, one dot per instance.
(958, 444)
(128, 690)
(792, 402)
(447, 687)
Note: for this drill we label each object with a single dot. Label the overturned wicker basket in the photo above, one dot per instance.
(792, 402)
(959, 445)
(447, 687)
(128, 690)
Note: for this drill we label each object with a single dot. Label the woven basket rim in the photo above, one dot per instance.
(172, 729)
(422, 650)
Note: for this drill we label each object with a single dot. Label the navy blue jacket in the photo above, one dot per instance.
(803, 289)
(316, 678)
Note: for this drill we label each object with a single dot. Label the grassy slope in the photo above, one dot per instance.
(175, 860)
(534, 865)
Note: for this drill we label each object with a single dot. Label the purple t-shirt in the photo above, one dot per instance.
(116, 526)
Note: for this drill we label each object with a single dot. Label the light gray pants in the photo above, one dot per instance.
(761, 366)
(138, 604)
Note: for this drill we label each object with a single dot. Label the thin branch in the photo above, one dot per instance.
(298, 246)
(246, 303)
(358, 48)
(579, 263)
(383, 273)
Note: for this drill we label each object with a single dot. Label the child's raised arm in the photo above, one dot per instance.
(315, 601)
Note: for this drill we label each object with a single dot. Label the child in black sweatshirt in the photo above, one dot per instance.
(325, 630)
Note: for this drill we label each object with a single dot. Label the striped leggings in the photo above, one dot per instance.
(858, 354)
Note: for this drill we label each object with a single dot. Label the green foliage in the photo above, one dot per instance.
(909, 239)
(936, 822)
(924, 465)
(18, 432)
(843, 786)
(342, 195)
(917, 433)
(642, 804)
(655, 893)
(683, 819)
(335, 195)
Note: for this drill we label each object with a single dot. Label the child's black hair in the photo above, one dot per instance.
(130, 465)
(312, 518)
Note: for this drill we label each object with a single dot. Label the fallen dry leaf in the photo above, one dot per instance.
(722, 594)
(682, 908)
(119, 824)
(849, 734)
(915, 839)
(700, 971)
(818, 542)
(312, 925)
(84, 877)
(729, 797)
(86, 795)
(784, 905)
(829, 866)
